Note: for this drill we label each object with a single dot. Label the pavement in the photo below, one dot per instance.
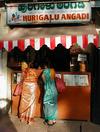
(9, 123)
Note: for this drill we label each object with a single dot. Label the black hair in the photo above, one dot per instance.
(48, 63)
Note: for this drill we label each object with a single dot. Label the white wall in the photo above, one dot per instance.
(5, 83)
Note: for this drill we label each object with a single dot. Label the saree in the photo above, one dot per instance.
(50, 96)
(28, 97)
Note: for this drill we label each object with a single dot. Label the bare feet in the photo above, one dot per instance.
(30, 123)
(22, 120)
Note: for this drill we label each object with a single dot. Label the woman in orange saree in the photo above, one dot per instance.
(28, 97)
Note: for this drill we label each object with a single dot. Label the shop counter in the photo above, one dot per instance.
(73, 103)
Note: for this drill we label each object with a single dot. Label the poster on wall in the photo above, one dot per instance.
(48, 13)
(76, 80)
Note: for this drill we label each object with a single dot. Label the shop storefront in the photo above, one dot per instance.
(68, 12)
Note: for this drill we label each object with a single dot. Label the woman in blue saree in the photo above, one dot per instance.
(50, 95)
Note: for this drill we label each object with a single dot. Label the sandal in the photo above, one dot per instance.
(50, 123)
(54, 121)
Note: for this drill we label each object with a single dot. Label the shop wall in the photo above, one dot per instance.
(4, 29)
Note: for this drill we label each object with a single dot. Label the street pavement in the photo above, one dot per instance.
(10, 123)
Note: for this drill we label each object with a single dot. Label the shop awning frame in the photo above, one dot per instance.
(51, 42)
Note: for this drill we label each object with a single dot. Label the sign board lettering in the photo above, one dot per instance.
(48, 13)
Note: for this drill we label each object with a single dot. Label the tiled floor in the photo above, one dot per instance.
(12, 124)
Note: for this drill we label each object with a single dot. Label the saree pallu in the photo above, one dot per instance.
(28, 102)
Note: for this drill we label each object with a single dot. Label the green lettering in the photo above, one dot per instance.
(36, 6)
(22, 8)
(30, 7)
(81, 4)
(60, 5)
(70, 5)
(50, 6)
(66, 5)
(42, 6)
(74, 5)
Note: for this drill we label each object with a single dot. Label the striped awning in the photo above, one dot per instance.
(51, 42)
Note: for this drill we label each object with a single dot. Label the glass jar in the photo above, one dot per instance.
(82, 66)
